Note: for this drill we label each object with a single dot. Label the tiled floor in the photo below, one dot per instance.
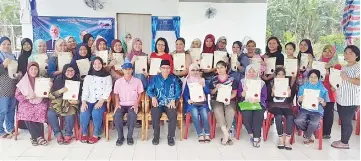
(184, 150)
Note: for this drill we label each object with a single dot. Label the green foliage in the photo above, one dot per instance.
(337, 38)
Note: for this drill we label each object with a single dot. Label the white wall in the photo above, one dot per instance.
(78, 8)
(233, 20)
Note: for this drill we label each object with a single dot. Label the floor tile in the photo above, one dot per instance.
(78, 153)
(100, 154)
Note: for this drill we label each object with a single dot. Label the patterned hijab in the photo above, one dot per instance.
(219, 41)
(26, 84)
(334, 59)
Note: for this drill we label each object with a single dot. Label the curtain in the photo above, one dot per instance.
(154, 31)
(176, 25)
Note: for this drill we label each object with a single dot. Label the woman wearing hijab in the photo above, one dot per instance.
(133, 56)
(65, 108)
(127, 41)
(196, 43)
(96, 90)
(209, 47)
(7, 86)
(32, 109)
(101, 45)
(161, 51)
(330, 57)
(71, 44)
(88, 41)
(308, 120)
(116, 47)
(252, 109)
(40, 49)
(180, 45)
(81, 53)
(26, 48)
(53, 70)
(305, 48)
(197, 109)
(237, 73)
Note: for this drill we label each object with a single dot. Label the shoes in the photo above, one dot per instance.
(155, 141)
(130, 141)
(119, 142)
(326, 136)
(93, 140)
(67, 140)
(171, 141)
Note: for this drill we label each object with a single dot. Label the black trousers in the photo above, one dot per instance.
(172, 117)
(131, 120)
(36, 129)
(278, 113)
(346, 113)
(328, 118)
(253, 121)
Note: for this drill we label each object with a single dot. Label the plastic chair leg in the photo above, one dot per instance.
(188, 119)
(239, 126)
(210, 124)
(357, 131)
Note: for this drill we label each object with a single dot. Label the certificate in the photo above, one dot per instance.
(196, 92)
(234, 62)
(310, 100)
(270, 65)
(195, 55)
(253, 89)
(291, 67)
(42, 60)
(335, 78)
(154, 66)
(12, 69)
(179, 60)
(73, 90)
(304, 61)
(219, 56)
(281, 87)
(64, 58)
(206, 61)
(224, 94)
(118, 57)
(83, 66)
(42, 87)
(141, 64)
(321, 67)
(256, 62)
(103, 55)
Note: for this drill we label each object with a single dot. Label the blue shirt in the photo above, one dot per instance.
(323, 94)
(164, 90)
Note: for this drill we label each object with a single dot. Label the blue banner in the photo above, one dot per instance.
(168, 28)
(53, 28)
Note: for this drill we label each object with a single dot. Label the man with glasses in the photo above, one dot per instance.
(127, 90)
(164, 90)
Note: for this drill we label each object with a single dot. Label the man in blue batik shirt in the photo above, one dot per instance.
(164, 90)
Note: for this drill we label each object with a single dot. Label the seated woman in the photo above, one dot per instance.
(308, 119)
(279, 107)
(224, 112)
(30, 108)
(96, 90)
(65, 108)
(197, 108)
(252, 109)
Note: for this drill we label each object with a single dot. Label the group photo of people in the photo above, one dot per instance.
(78, 87)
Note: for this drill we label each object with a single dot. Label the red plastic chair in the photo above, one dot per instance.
(188, 122)
(357, 131)
(240, 123)
(17, 129)
(268, 125)
(76, 127)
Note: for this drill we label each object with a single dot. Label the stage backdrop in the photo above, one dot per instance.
(166, 27)
(44, 26)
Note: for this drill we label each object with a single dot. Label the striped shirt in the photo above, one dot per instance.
(349, 94)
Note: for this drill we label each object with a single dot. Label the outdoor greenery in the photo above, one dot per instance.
(10, 19)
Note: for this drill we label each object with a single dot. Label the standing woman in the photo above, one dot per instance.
(305, 48)
(101, 45)
(224, 113)
(40, 49)
(26, 48)
(81, 53)
(251, 53)
(238, 74)
(221, 46)
(180, 45)
(88, 41)
(209, 47)
(32, 109)
(71, 44)
(53, 70)
(252, 119)
(348, 94)
(126, 39)
(65, 108)
(116, 47)
(196, 43)
(96, 90)
(133, 56)
(7, 92)
(161, 51)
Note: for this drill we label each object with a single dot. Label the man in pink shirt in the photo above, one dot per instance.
(127, 92)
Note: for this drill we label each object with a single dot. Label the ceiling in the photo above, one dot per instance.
(226, 1)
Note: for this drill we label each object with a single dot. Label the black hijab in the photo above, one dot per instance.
(59, 81)
(24, 55)
(101, 72)
(86, 38)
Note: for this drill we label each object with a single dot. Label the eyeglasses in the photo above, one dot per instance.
(195, 70)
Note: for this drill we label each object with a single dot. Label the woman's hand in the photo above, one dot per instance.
(135, 58)
(344, 76)
(112, 63)
(190, 101)
(63, 90)
(84, 106)
(300, 98)
(6, 62)
(289, 91)
(154, 102)
(321, 100)
(99, 104)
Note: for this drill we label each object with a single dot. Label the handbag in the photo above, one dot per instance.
(247, 106)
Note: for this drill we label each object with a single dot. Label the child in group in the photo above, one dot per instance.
(308, 119)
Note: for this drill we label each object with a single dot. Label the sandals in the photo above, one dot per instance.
(256, 143)
(84, 139)
(42, 141)
(8, 135)
(223, 143)
(34, 142)
(60, 140)
(201, 139)
(288, 143)
(308, 141)
(281, 144)
(340, 145)
(93, 140)
(229, 141)
(207, 139)
(67, 140)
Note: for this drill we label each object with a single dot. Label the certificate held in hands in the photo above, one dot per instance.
(42, 87)
(270, 65)
(310, 100)
(118, 57)
(335, 78)
(196, 55)
(103, 55)
(234, 61)
(253, 89)
(304, 61)
(83, 66)
(141, 64)
(321, 67)
(291, 67)
(73, 90)
(196, 92)
(256, 61)
(12, 69)
(207, 60)
(64, 58)
(224, 94)
(218, 56)
(154, 66)
(42, 60)
(179, 61)
(281, 87)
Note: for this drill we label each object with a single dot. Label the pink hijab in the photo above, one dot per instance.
(192, 79)
(27, 83)
(133, 52)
